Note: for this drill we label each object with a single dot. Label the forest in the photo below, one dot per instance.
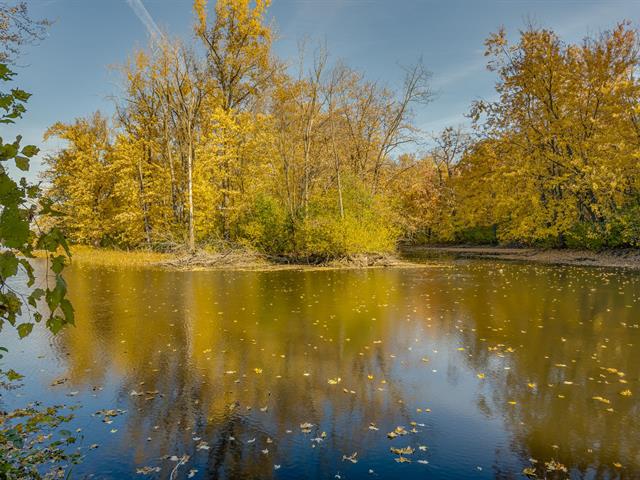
(218, 143)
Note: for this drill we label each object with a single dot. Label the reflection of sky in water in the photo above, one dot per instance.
(430, 334)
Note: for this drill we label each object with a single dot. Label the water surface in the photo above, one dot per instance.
(486, 365)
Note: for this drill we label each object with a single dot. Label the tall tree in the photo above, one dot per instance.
(240, 70)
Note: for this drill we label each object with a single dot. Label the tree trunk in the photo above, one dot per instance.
(143, 201)
(192, 239)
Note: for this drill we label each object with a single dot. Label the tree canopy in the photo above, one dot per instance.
(225, 144)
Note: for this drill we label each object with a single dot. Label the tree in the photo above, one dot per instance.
(81, 180)
(18, 29)
(240, 70)
(562, 132)
(227, 149)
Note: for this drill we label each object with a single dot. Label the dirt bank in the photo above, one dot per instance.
(245, 260)
(620, 258)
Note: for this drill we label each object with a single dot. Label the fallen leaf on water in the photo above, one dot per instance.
(147, 470)
(399, 431)
(553, 466)
(402, 451)
(351, 458)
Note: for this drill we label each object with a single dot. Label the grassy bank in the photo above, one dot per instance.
(84, 255)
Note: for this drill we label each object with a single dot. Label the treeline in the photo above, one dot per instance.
(220, 144)
(554, 159)
(226, 147)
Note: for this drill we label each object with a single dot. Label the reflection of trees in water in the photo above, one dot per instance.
(587, 328)
(178, 334)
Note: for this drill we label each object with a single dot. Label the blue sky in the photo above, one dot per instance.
(69, 73)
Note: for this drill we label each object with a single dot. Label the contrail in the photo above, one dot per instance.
(146, 19)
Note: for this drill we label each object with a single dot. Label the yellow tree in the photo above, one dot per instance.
(80, 179)
(558, 128)
(240, 71)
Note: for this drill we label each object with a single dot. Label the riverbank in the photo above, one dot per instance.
(233, 259)
(619, 258)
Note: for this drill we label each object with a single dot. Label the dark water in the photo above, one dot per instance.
(485, 365)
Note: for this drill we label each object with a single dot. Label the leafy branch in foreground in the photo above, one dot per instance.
(27, 443)
(20, 234)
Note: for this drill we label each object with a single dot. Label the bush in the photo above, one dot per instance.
(320, 233)
(368, 225)
(266, 227)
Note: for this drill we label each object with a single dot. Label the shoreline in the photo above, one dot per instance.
(251, 261)
(419, 256)
(627, 258)
(232, 260)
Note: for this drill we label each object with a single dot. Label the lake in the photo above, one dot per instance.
(465, 368)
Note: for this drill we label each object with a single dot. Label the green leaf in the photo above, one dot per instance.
(35, 296)
(22, 163)
(12, 375)
(24, 329)
(57, 263)
(30, 150)
(8, 265)
(14, 227)
(26, 266)
(67, 311)
(55, 324)
(20, 95)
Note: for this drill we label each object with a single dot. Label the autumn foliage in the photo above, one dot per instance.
(554, 159)
(225, 144)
